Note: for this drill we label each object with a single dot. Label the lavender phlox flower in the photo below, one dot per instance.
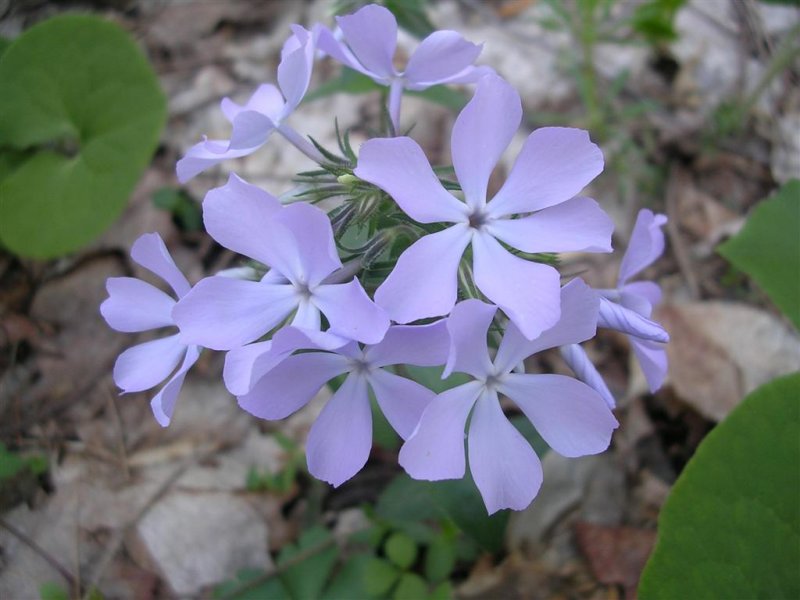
(575, 356)
(265, 112)
(134, 305)
(341, 437)
(368, 42)
(296, 242)
(554, 165)
(628, 308)
(571, 417)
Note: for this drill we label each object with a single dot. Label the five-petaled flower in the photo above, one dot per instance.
(134, 305)
(571, 416)
(554, 165)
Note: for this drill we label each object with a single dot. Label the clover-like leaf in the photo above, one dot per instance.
(81, 98)
(731, 526)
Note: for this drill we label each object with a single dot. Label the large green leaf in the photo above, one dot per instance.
(768, 249)
(78, 91)
(731, 526)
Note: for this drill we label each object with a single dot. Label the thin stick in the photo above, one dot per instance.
(73, 583)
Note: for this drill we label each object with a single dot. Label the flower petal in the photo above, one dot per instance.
(585, 371)
(135, 305)
(616, 316)
(435, 449)
(331, 46)
(645, 246)
(577, 225)
(439, 57)
(468, 325)
(150, 252)
(420, 345)
(402, 400)
(640, 296)
(554, 165)
(652, 357)
(146, 365)
(239, 362)
(299, 244)
(481, 133)
(163, 403)
(291, 384)
(294, 70)
(251, 130)
(570, 416)
(205, 155)
(503, 464)
(340, 439)
(266, 100)
(350, 312)
(371, 33)
(237, 215)
(424, 281)
(577, 323)
(399, 167)
(223, 313)
(526, 291)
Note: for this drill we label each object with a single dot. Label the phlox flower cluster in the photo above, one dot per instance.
(449, 277)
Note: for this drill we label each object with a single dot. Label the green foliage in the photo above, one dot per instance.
(379, 576)
(731, 526)
(50, 590)
(653, 20)
(80, 95)
(457, 500)
(12, 464)
(307, 579)
(410, 587)
(768, 249)
(186, 213)
(401, 550)
(315, 557)
(283, 480)
(440, 558)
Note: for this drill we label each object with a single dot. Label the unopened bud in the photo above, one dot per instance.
(347, 179)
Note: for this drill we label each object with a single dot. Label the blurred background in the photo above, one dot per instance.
(696, 105)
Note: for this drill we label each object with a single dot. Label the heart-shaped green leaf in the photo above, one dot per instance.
(768, 248)
(80, 94)
(731, 526)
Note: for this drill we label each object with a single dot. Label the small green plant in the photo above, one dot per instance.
(282, 481)
(80, 116)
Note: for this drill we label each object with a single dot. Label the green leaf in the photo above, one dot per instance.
(50, 590)
(307, 579)
(731, 525)
(528, 431)
(78, 91)
(348, 82)
(271, 588)
(444, 96)
(410, 587)
(411, 16)
(186, 213)
(440, 558)
(401, 550)
(461, 501)
(379, 576)
(408, 500)
(349, 581)
(768, 249)
(431, 378)
(443, 591)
